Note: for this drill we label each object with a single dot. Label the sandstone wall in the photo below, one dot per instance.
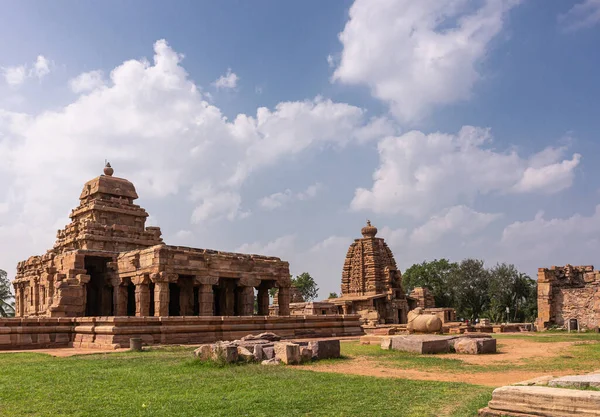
(115, 332)
(569, 292)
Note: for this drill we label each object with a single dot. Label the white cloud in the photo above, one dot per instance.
(418, 54)
(461, 220)
(419, 173)
(330, 61)
(582, 15)
(228, 81)
(280, 199)
(156, 128)
(17, 75)
(41, 67)
(87, 81)
(14, 76)
(557, 241)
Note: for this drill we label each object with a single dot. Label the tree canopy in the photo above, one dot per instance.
(306, 285)
(475, 291)
(6, 306)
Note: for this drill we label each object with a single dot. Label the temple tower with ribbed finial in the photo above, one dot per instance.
(371, 281)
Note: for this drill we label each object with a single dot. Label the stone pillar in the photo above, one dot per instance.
(142, 300)
(206, 299)
(263, 301)
(36, 296)
(50, 290)
(344, 309)
(246, 301)
(120, 300)
(17, 301)
(161, 299)
(284, 301)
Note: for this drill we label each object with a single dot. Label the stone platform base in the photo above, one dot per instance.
(115, 332)
(529, 401)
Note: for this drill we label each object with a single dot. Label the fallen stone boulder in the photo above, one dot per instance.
(244, 354)
(325, 349)
(269, 352)
(258, 353)
(306, 354)
(204, 352)
(224, 352)
(423, 344)
(475, 346)
(272, 361)
(268, 336)
(577, 381)
(288, 353)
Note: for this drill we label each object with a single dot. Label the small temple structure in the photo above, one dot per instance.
(372, 282)
(568, 297)
(107, 262)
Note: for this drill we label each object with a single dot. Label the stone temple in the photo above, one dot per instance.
(568, 297)
(371, 282)
(106, 262)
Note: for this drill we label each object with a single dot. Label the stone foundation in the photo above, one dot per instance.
(115, 332)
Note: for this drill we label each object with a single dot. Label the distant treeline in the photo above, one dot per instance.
(475, 291)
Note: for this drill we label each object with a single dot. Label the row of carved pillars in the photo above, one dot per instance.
(32, 298)
(224, 299)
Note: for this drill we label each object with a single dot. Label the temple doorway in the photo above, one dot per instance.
(131, 299)
(99, 292)
(174, 302)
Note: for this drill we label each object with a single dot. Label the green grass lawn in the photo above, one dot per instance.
(168, 382)
(579, 357)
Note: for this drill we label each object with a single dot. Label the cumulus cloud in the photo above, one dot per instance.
(157, 129)
(87, 81)
(582, 15)
(17, 75)
(14, 76)
(420, 173)
(556, 241)
(418, 54)
(277, 200)
(458, 219)
(228, 81)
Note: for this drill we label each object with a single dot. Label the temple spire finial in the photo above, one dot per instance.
(108, 169)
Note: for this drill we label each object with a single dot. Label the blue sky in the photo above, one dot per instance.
(460, 128)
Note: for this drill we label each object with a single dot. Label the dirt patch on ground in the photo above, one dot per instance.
(66, 352)
(514, 351)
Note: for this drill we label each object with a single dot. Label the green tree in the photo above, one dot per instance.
(306, 285)
(333, 295)
(435, 275)
(471, 287)
(6, 306)
(513, 289)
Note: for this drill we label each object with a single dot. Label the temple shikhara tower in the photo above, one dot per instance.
(106, 262)
(371, 281)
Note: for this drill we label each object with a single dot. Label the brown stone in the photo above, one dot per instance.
(288, 353)
(306, 354)
(204, 352)
(475, 346)
(325, 349)
(244, 354)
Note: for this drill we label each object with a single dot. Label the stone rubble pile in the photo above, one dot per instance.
(268, 349)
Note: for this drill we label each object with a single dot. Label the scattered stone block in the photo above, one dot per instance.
(268, 352)
(258, 353)
(204, 352)
(268, 336)
(475, 346)
(386, 344)
(577, 381)
(244, 354)
(423, 344)
(288, 353)
(272, 361)
(542, 401)
(306, 354)
(224, 352)
(325, 349)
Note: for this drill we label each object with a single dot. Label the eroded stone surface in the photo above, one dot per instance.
(475, 346)
(325, 349)
(577, 381)
(288, 353)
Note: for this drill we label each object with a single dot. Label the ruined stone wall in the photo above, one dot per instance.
(569, 292)
(423, 297)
